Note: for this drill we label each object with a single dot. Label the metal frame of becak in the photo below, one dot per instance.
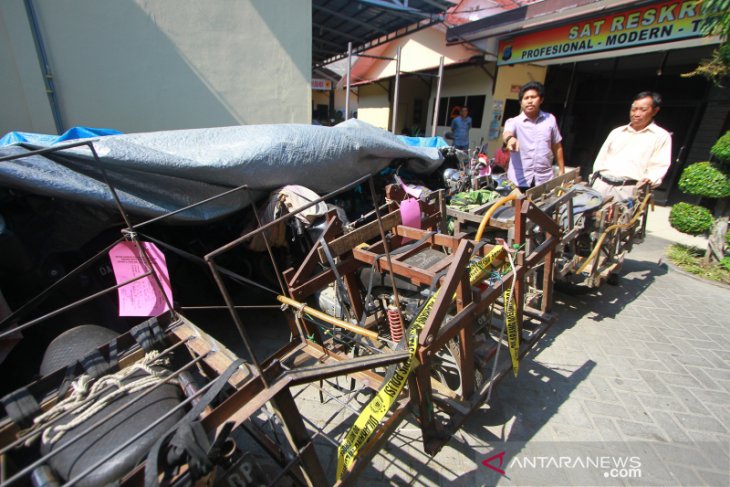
(452, 317)
(323, 346)
(592, 244)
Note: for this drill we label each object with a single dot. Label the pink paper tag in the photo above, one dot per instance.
(142, 297)
(411, 191)
(410, 214)
(485, 170)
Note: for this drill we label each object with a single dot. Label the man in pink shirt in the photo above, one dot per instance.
(533, 139)
(635, 154)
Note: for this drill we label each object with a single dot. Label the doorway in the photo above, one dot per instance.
(591, 98)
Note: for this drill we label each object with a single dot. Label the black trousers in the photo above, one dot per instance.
(525, 188)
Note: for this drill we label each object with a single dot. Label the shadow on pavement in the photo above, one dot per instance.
(519, 409)
(522, 406)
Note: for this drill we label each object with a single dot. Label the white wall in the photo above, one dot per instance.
(465, 81)
(413, 91)
(340, 101)
(23, 96)
(159, 64)
(374, 105)
(420, 51)
(320, 98)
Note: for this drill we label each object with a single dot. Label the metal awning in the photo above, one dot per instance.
(367, 23)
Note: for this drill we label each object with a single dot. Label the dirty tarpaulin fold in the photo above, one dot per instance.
(158, 172)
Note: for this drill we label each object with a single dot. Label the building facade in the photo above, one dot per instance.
(153, 65)
(596, 57)
(593, 57)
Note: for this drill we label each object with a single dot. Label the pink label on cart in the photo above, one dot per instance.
(142, 297)
(415, 192)
(410, 214)
(410, 190)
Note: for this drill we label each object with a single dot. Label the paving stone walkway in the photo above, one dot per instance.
(638, 371)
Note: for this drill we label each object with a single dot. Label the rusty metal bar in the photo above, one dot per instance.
(72, 305)
(228, 273)
(268, 245)
(357, 364)
(327, 318)
(115, 196)
(386, 246)
(298, 438)
(308, 265)
(234, 243)
(446, 293)
(434, 122)
(236, 318)
(35, 300)
(63, 446)
(185, 208)
(47, 150)
(261, 306)
(21, 438)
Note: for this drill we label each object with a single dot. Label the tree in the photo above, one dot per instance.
(717, 22)
(709, 180)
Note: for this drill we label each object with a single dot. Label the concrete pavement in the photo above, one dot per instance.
(658, 226)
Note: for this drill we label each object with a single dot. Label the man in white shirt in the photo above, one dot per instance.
(635, 154)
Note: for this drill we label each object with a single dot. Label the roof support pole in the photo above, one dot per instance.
(347, 89)
(397, 86)
(44, 64)
(434, 122)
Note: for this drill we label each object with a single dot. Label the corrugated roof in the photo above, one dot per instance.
(367, 23)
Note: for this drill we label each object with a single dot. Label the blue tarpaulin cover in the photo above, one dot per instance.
(423, 141)
(158, 172)
(44, 139)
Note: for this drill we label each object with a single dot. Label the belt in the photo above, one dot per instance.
(617, 182)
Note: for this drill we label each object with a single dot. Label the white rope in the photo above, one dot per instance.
(299, 310)
(88, 397)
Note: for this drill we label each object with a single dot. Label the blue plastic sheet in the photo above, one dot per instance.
(423, 141)
(45, 139)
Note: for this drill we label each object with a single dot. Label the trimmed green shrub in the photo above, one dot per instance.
(691, 219)
(705, 179)
(725, 53)
(721, 148)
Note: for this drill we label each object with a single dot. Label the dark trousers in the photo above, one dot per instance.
(525, 188)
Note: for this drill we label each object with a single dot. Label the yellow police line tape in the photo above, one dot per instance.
(513, 334)
(376, 409)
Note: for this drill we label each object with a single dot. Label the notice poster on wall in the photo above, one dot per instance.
(496, 122)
